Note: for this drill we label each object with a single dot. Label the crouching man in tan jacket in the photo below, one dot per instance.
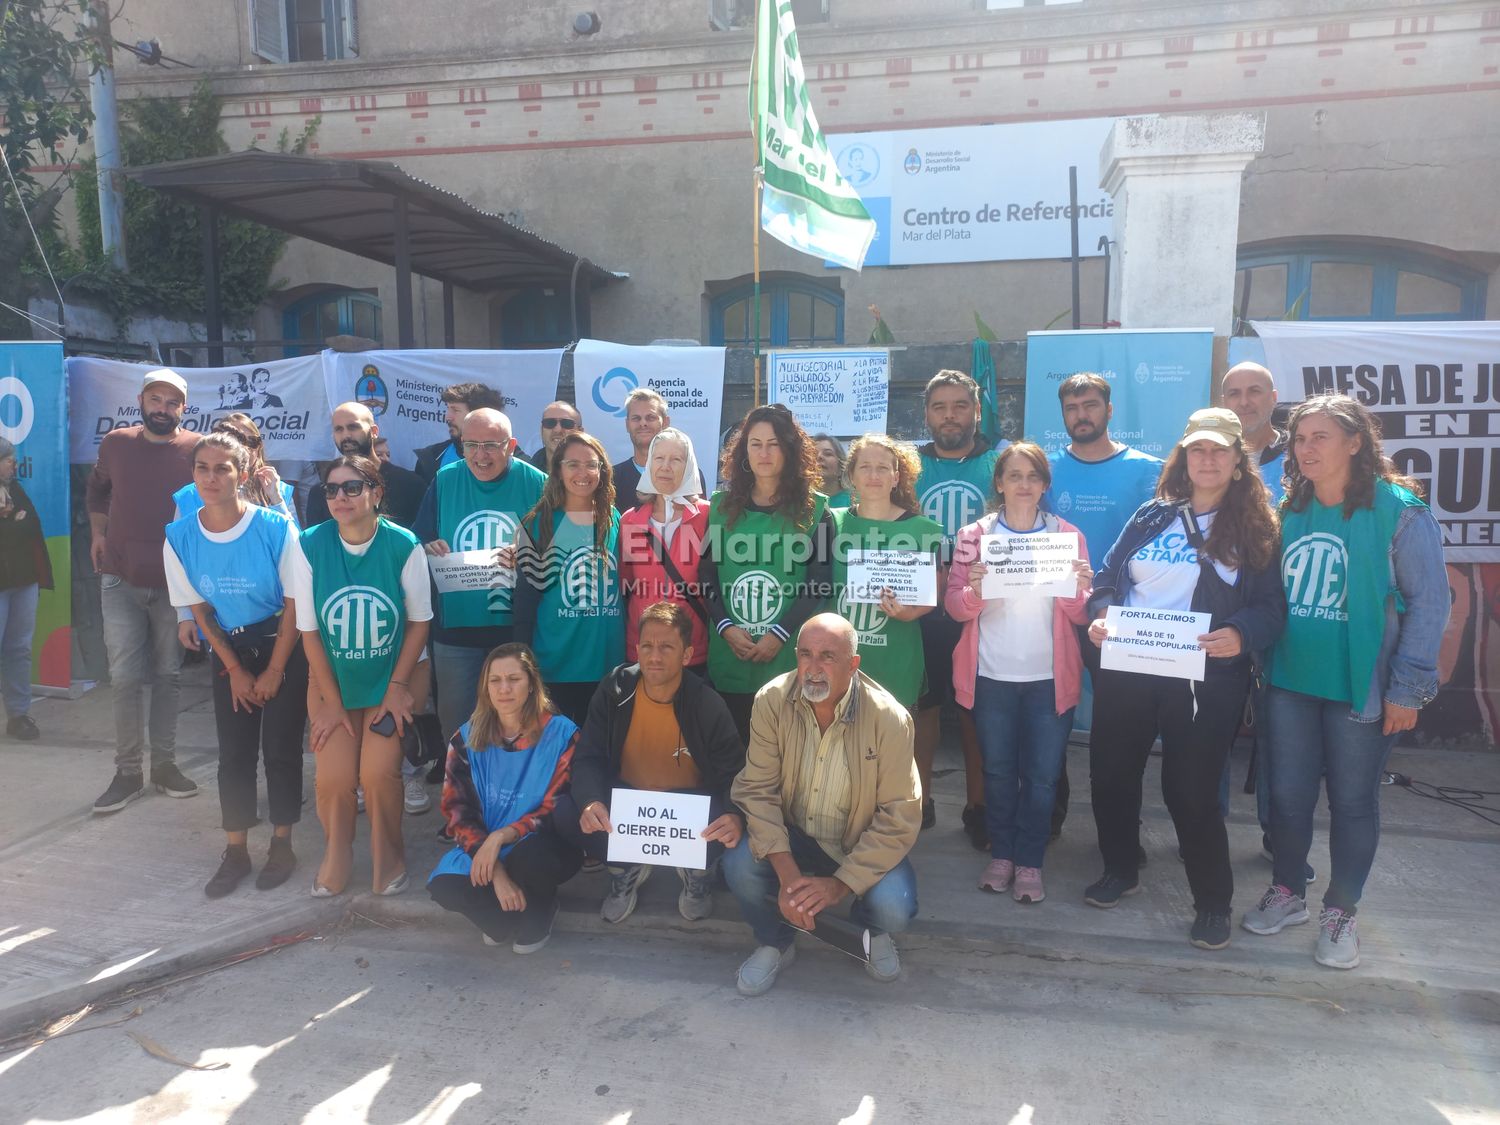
(832, 806)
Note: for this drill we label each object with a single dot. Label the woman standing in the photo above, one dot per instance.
(363, 603)
(661, 542)
(1019, 669)
(567, 603)
(25, 570)
(506, 766)
(831, 465)
(261, 485)
(884, 517)
(1367, 597)
(1208, 544)
(767, 560)
(231, 564)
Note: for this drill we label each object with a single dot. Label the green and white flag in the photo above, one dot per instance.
(804, 202)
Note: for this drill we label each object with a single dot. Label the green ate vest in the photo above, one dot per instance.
(361, 606)
(580, 621)
(475, 515)
(954, 493)
(890, 652)
(762, 564)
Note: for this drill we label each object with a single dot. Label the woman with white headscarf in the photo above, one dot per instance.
(661, 542)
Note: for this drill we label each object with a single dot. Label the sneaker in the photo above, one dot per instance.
(1210, 930)
(169, 779)
(280, 863)
(696, 901)
(624, 882)
(397, 885)
(1278, 908)
(761, 968)
(320, 891)
(929, 813)
(1107, 891)
(1338, 939)
(415, 797)
(884, 963)
(534, 929)
(22, 729)
(126, 787)
(235, 866)
(1028, 885)
(997, 876)
(976, 829)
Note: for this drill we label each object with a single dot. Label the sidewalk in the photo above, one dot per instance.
(92, 905)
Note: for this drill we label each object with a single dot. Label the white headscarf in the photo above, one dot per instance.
(689, 486)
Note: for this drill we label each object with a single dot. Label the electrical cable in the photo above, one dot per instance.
(21, 203)
(1470, 800)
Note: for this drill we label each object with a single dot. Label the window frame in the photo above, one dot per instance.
(778, 293)
(345, 300)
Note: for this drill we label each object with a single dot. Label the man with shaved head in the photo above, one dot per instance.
(832, 806)
(1250, 392)
(559, 419)
(355, 431)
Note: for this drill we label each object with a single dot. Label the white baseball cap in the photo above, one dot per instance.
(165, 375)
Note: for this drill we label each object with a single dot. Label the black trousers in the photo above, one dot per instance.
(740, 704)
(1130, 711)
(539, 864)
(273, 732)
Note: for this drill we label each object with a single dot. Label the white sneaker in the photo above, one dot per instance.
(1338, 939)
(1278, 908)
(415, 797)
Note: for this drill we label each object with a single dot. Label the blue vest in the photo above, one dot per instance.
(240, 580)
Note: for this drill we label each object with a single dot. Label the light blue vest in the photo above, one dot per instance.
(240, 580)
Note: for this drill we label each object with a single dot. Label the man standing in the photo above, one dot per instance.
(356, 431)
(475, 505)
(1250, 392)
(130, 505)
(832, 806)
(651, 727)
(458, 400)
(954, 488)
(559, 420)
(646, 415)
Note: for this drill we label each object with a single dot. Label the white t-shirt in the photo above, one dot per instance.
(180, 589)
(1015, 634)
(414, 585)
(1164, 573)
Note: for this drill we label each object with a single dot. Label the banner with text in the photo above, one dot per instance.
(690, 379)
(978, 193)
(1157, 378)
(1435, 386)
(284, 396)
(844, 392)
(403, 389)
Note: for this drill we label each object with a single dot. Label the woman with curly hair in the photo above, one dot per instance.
(1367, 603)
(1207, 543)
(766, 561)
(567, 601)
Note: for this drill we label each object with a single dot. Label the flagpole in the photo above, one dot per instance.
(755, 191)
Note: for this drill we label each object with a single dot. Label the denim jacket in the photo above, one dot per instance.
(1406, 673)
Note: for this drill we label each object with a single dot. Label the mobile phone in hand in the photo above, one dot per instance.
(386, 725)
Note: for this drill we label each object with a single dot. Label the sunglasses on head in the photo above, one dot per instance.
(553, 423)
(350, 488)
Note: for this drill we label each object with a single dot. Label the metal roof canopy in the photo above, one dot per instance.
(373, 209)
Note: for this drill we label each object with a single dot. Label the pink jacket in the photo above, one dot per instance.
(964, 604)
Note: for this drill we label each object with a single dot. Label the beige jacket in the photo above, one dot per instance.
(885, 810)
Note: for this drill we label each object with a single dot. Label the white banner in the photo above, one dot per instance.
(839, 391)
(403, 389)
(690, 379)
(1436, 388)
(284, 396)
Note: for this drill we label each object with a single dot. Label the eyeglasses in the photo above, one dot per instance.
(495, 448)
(553, 423)
(350, 488)
(571, 466)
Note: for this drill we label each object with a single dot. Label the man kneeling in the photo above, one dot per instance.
(650, 726)
(832, 806)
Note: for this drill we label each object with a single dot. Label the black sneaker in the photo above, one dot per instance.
(22, 729)
(280, 863)
(169, 779)
(929, 813)
(1107, 891)
(534, 929)
(1210, 930)
(976, 829)
(235, 866)
(126, 787)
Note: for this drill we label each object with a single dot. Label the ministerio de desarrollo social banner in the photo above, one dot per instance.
(1435, 386)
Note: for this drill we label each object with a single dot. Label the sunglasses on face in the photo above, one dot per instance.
(350, 488)
(553, 423)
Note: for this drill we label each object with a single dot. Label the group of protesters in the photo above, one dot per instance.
(635, 630)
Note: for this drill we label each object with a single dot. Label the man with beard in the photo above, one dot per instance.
(356, 431)
(954, 489)
(458, 401)
(832, 806)
(148, 463)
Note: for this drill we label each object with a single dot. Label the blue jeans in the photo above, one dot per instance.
(1312, 738)
(17, 624)
(887, 907)
(456, 670)
(1022, 739)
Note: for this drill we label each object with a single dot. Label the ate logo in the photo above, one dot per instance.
(755, 600)
(360, 619)
(589, 580)
(484, 531)
(868, 619)
(1314, 572)
(953, 504)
